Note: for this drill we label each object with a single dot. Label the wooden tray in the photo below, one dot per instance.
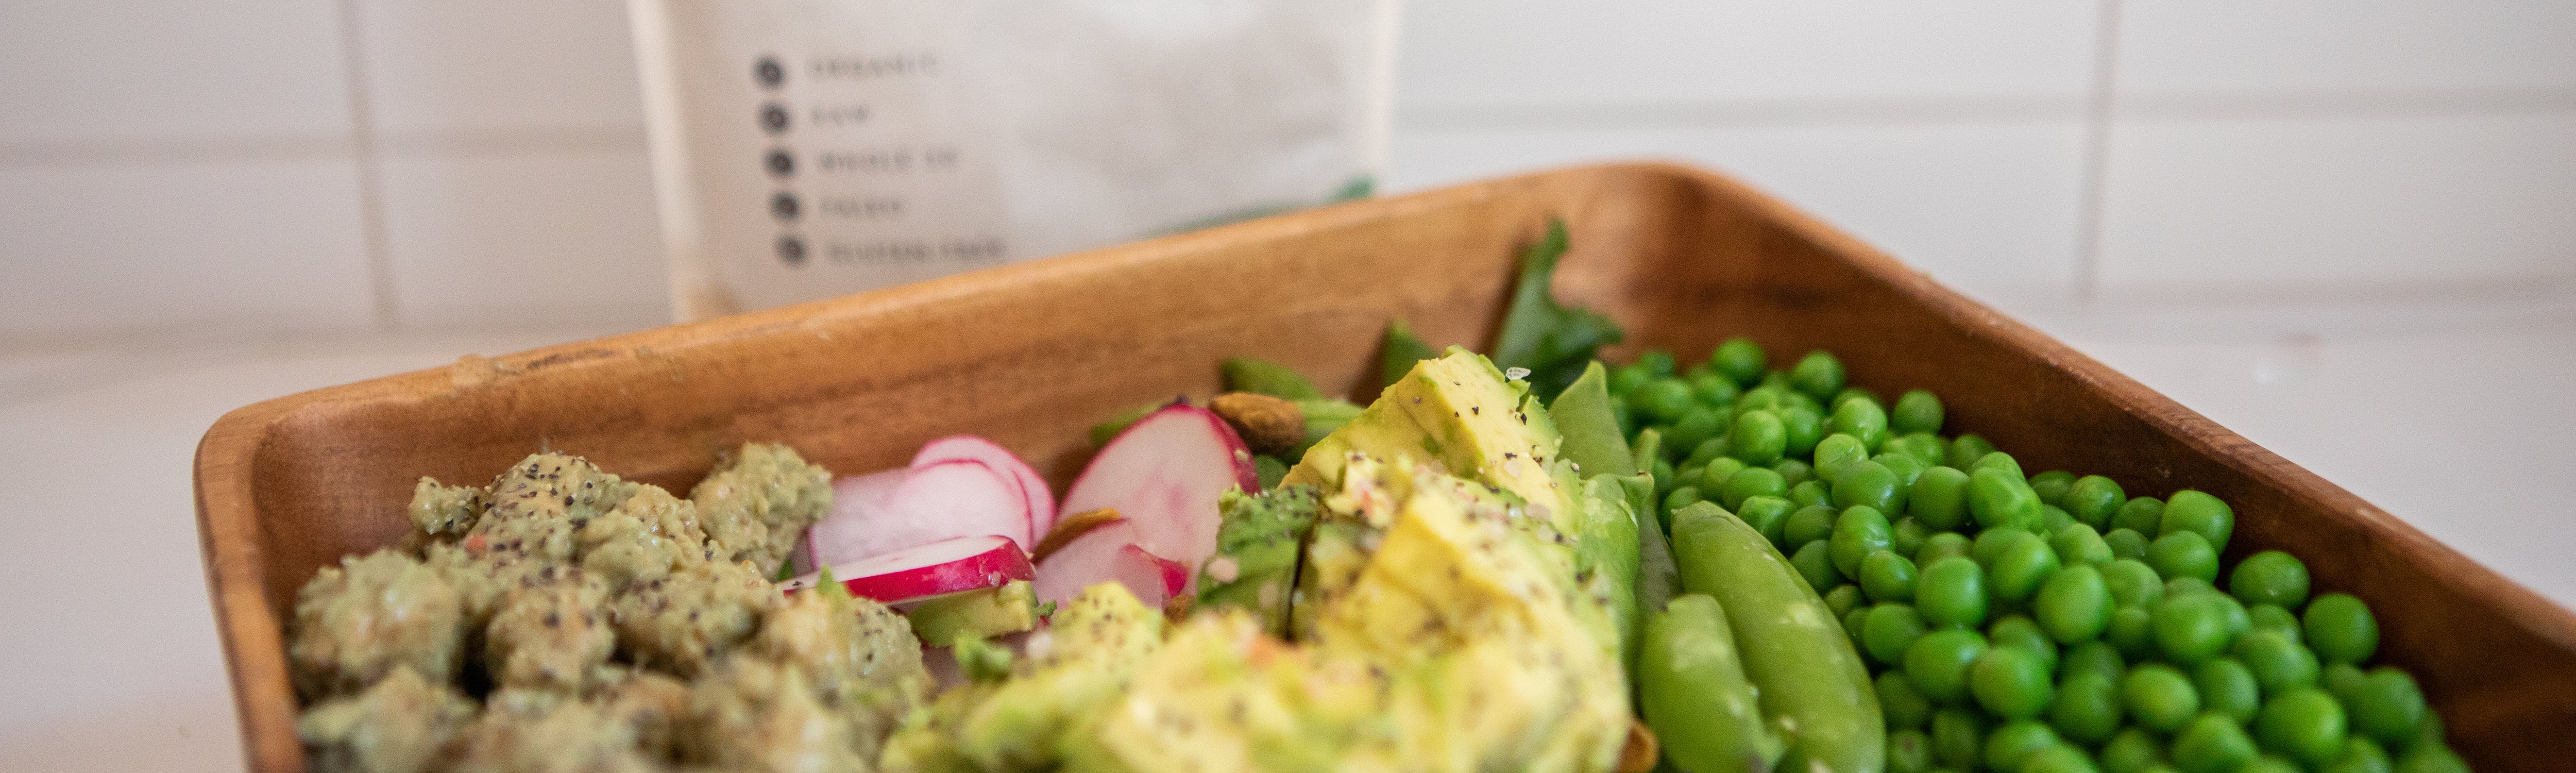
(1031, 355)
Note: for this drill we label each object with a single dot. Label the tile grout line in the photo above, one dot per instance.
(2094, 178)
(370, 166)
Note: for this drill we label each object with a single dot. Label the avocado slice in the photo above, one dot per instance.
(1256, 553)
(1459, 411)
(981, 613)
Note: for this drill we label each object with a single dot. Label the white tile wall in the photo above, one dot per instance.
(2366, 202)
(181, 245)
(83, 72)
(517, 238)
(164, 164)
(2364, 46)
(2005, 226)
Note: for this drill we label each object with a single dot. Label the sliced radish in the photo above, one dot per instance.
(1164, 475)
(956, 498)
(856, 500)
(1137, 568)
(1032, 486)
(1109, 553)
(946, 566)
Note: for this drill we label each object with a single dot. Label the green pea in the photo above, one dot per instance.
(2051, 486)
(1713, 390)
(2304, 724)
(2001, 461)
(2093, 499)
(1665, 400)
(2387, 706)
(1925, 447)
(1861, 419)
(2019, 568)
(2144, 515)
(2087, 709)
(1858, 532)
(1627, 379)
(1938, 663)
(2270, 764)
(1757, 438)
(1817, 567)
(1749, 483)
(1952, 592)
(1819, 374)
(1854, 619)
(2183, 554)
(2126, 543)
(2342, 680)
(1808, 524)
(1998, 499)
(1811, 494)
(1907, 536)
(2227, 688)
(1888, 631)
(2015, 741)
(1869, 484)
(2018, 631)
(1740, 360)
(2132, 583)
(2093, 657)
(2052, 519)
(2185, 586)
(2431, 758)
(1916, 411)
(1958, 738)
(1698, 427)
(1770, 395)
(2340, 629)
(1857, 393)
(1658, 362)
(2266, 617)
(1887, 575)
(2359, 755)
(1990, 543)
(1768, 515)
(2191, 628)
(1940, 498)
(1966, 449)
(1842, 600)
(2193, 511)
(1940, 546)
(2212, 743)
(1719, 470)
(1804, 427)
(1664, 477)
(2078, 544)
(1793, 471)
(2074, 604)
(2133, 631)
(1835, 453)
(1909, 751)
(2277, 662)
(2270, 577)
(1681, 498)
(2131, 751)
(1907, 469)
(2158, 697)
(2430, 734)
(1899, 703)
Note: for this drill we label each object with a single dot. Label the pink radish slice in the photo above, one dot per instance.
(856, 500)
(957, 498)
(946, 566)
(1108, 554)
(1164, 475)
(1032, 486)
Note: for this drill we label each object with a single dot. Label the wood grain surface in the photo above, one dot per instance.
(1031, 355)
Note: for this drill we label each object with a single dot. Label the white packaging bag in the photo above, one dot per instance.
(804, 149)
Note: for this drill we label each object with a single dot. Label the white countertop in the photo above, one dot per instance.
(2455, 419)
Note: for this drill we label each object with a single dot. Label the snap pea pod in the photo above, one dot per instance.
(1693, 692)
(1259, 376)
(1648, 449)
(1658, 578)
(1813, 685)
(1583, 418)
(1610, 546)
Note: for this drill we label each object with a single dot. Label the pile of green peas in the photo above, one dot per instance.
(2045, 623)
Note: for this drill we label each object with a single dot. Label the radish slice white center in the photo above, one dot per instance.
(1164, 475)
(956, 498)
(1032, 486)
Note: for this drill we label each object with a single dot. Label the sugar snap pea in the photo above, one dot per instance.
(1694, 694)
(1812, 681)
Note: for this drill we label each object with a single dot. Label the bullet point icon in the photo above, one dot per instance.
(791, 250)
(782, 205)
(768, 72)
(780, 163)
(773, 118)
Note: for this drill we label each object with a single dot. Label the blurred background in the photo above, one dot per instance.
(2344, 228)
